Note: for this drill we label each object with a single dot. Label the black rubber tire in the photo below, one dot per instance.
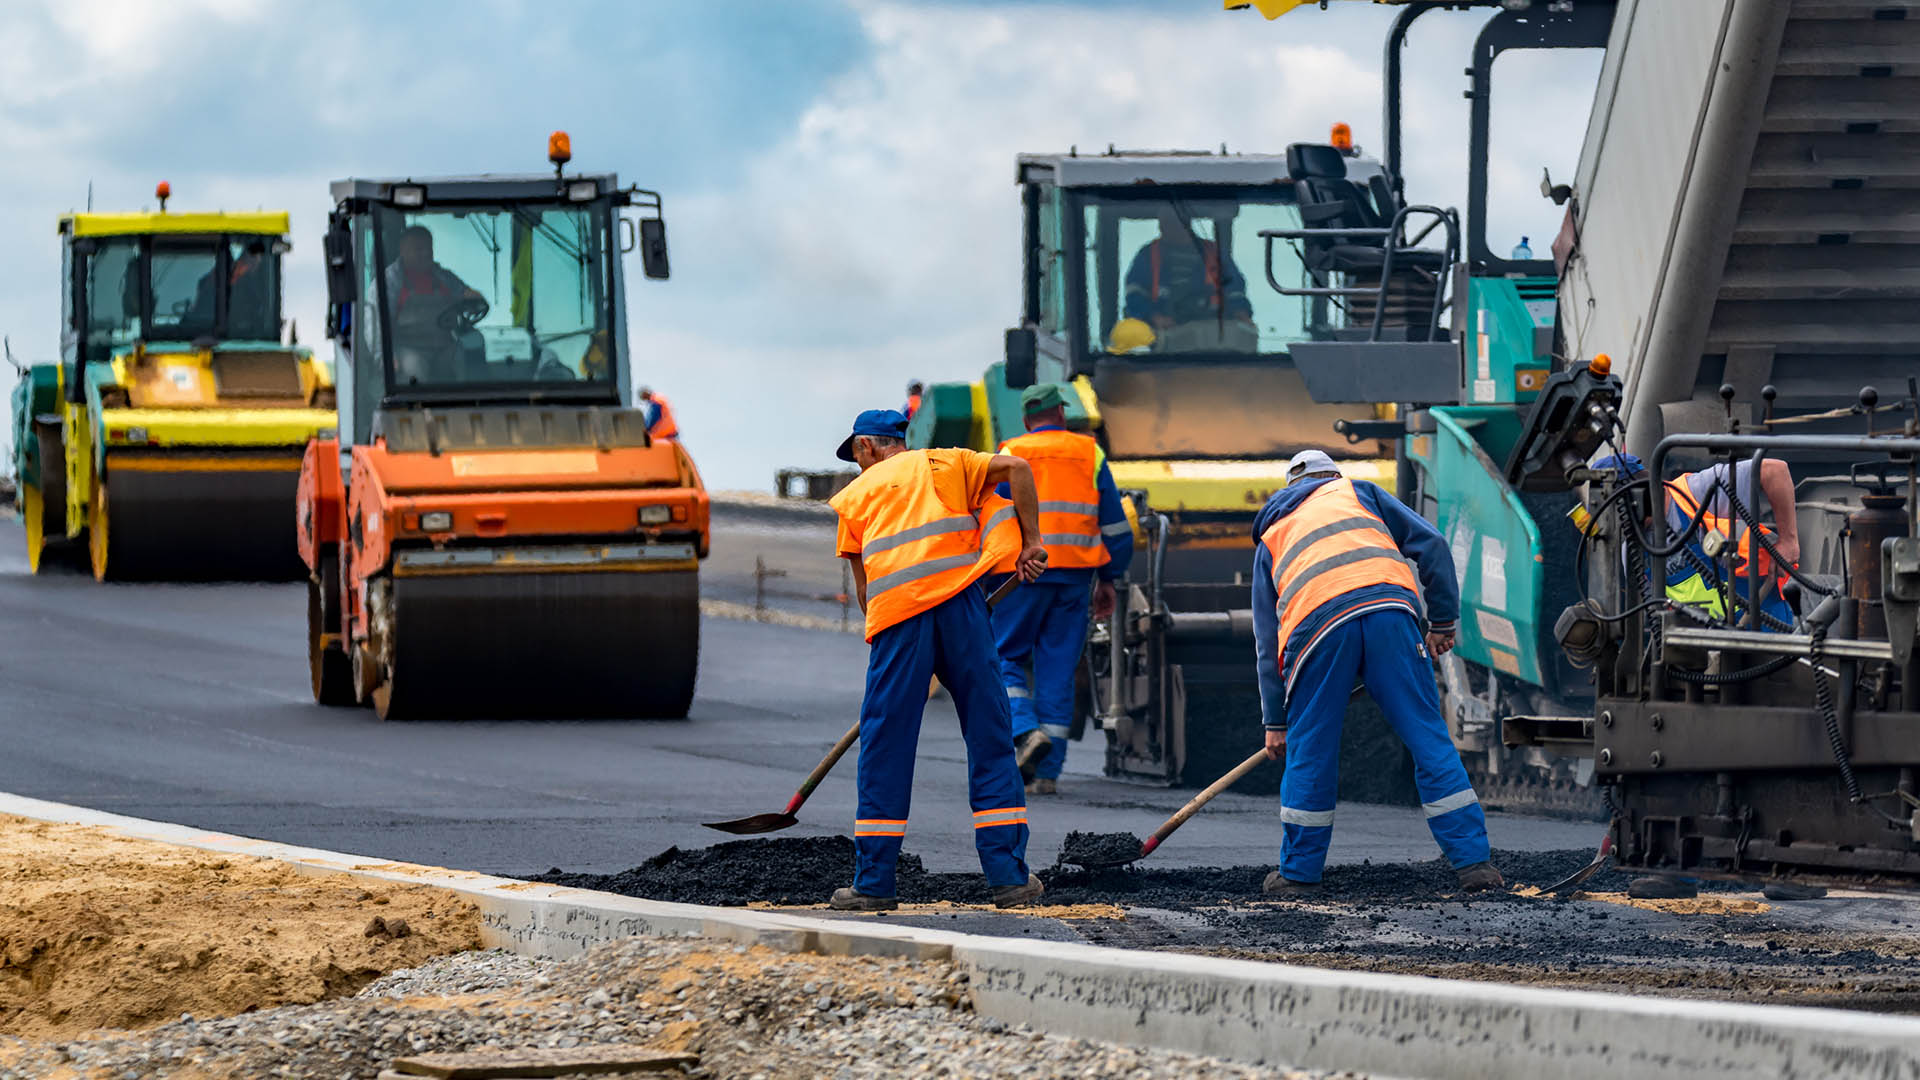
(328, 669)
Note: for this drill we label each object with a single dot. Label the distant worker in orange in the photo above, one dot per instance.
(915, 390)
(659, 410)
(919, 528)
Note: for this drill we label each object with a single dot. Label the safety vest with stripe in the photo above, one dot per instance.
(663, 426)
(1066, 468)
(917, 551)
(1685, 585)
(1328, 546)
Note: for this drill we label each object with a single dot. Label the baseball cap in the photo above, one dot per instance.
(1310, 461)
(885, 423)
(1040, 397)
(1626, 463)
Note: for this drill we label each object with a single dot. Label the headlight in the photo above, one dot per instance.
(655, 515)
(582, 190)
(136, 434)
(436, 521)
(409, 195)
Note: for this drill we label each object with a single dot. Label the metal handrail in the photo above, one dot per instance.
(1392, 235)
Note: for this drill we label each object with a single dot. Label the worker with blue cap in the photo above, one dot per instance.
(1041, 628)
(1334, 601)
(919, 528)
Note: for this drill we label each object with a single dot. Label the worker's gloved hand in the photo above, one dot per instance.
(1439, 644)
(1103, 596)
(1277, 743)
(1031, 561)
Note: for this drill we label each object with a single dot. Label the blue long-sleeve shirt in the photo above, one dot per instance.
(1115, 534)
(1416, 538)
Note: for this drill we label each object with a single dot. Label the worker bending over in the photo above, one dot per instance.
(660, 422)
(919, 528)
(1042, 627)
(1334, 602)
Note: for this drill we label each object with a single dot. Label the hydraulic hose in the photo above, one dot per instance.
(1829, 718)
(1757, 671)
(1753, 526)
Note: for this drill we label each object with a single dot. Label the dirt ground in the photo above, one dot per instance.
(98, 931)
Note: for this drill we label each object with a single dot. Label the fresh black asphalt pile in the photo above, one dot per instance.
(1099, 849)
(806, 870)
(1392, 917)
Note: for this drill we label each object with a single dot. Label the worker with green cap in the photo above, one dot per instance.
(1041, 627)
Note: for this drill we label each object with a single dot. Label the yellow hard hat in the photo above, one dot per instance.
(1128, 335)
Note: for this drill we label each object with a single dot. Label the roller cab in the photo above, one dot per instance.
(166, 443)
(493, 532)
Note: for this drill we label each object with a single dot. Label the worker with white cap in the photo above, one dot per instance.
(1334, 601)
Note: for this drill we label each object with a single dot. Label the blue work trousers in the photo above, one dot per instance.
(1383, 648)
(955, 642)
(1041, 628)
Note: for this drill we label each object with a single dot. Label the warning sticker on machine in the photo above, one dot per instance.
(570, 463)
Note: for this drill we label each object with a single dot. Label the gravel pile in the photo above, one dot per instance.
(750, 1013)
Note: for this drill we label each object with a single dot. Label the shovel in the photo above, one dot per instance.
(1599, 860)
(1178, 819)
(766, 823)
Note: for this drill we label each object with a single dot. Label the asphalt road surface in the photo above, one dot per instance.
(189, 703)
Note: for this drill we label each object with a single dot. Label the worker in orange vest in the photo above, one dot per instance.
(1334, 601)
(915, 390)
(659, 411)
(1041, 628)
(919, 528)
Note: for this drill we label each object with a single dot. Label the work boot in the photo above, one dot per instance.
(1481, 877)
(1018, 895)
(1789, 890)
(1660, 888)
(1278, 884)
(1040, 785)
(1028, 749)
(852, 900)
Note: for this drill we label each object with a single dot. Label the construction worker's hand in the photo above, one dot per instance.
(1031, 561)
(1788, 550)
(1103, 596)
(1277, 743)
(1440, 644)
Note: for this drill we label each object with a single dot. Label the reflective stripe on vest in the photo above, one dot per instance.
(917, 551)
(1328, 546)
(1066, 467)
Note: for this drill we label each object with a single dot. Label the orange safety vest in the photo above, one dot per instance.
(1746, 552)
(663, 426)
(917, 551)
(1328, 546)
(1066, 468)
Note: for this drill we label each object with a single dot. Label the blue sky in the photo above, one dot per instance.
(837, 173)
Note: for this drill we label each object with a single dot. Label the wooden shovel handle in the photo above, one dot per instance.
(1194, 804)
(826, 765)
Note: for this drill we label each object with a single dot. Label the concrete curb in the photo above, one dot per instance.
(1389, 1025)
(727, 609)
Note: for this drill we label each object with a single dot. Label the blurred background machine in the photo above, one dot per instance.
(493, 532)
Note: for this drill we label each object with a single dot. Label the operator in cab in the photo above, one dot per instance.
(1040, 628)
(422, 294)
(250, 298)
(1694, 579)
(919, 528)
(1186, 295)
(1335, 603)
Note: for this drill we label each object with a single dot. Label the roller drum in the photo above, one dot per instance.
(196, 524)
(495, 644)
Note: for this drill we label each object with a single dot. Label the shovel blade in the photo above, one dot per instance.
(1578, 876)
(1101, 864)
(755, 825)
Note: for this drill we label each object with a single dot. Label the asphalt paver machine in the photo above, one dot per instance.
(493, 532)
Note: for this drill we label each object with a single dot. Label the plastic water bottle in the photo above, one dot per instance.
(1521, 250)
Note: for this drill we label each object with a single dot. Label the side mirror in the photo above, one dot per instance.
(1021, 349)
(339, 254)
(653, 248)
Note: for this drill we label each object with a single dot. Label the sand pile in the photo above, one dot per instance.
(98, 931)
